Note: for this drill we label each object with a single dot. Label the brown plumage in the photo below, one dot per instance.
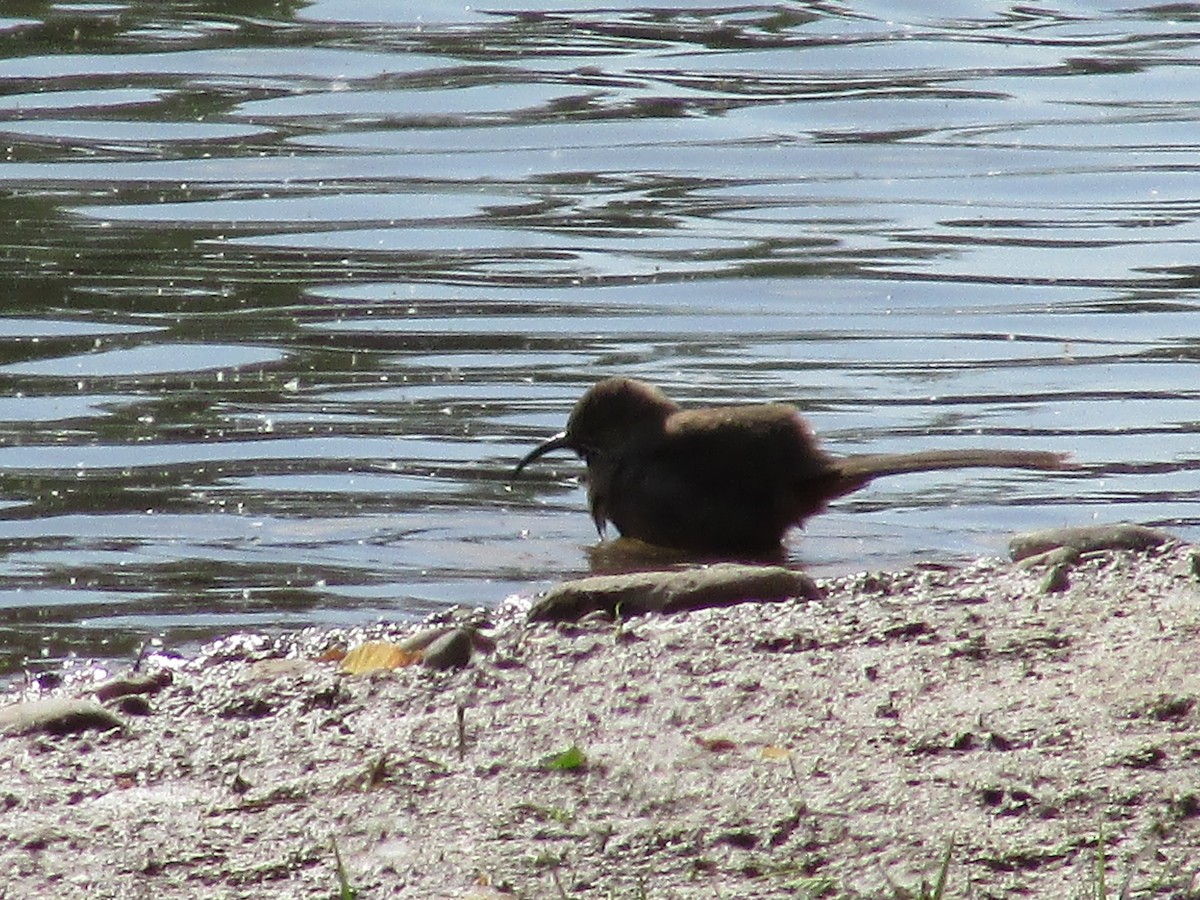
(728, 479)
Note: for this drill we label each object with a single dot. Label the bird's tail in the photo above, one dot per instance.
(862, 468)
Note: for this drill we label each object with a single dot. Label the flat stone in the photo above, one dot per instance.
(1087, 539)
(638, 593)
(57, 715)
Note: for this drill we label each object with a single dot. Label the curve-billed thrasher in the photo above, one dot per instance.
(729, 479)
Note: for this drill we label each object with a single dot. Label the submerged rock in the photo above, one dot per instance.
(666, 592)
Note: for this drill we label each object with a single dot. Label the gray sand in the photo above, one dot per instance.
(832, 747)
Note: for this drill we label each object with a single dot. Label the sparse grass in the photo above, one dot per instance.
(547, 860)
(345, 890)
(923, 891)
(562, 893)
(570, 760)
(939, 887)
(1175, 879)
(813, 888)
(548, 813)
(1099, 887)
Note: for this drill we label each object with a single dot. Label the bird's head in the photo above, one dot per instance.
(613, 415)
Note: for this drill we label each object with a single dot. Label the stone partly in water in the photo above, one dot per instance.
(1073, 541)
(666, 592)
(57, 716)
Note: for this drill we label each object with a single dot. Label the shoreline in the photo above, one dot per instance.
(837, 746)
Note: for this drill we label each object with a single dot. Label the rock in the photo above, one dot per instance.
(451, 650)
(133, 684)
(1086, 539)
(665, 592)
(423, 638)
(57, 716)
(134, 705)
(1058, 579)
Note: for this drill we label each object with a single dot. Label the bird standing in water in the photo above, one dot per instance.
(729, 479)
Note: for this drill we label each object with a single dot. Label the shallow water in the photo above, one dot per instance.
(289, 290)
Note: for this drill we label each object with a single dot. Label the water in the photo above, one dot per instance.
(289, 288)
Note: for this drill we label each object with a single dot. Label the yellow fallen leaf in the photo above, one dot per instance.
(773, 752)
(335, 653)
(373, 656)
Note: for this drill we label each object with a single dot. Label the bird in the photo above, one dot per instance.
(728, 479)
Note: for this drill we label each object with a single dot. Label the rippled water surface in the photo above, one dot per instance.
(288, 288)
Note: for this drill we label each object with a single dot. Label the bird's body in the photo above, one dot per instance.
(723, 479)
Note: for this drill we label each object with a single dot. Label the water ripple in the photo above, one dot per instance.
(289, 292)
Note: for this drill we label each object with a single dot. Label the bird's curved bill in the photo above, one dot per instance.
(560, 441)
